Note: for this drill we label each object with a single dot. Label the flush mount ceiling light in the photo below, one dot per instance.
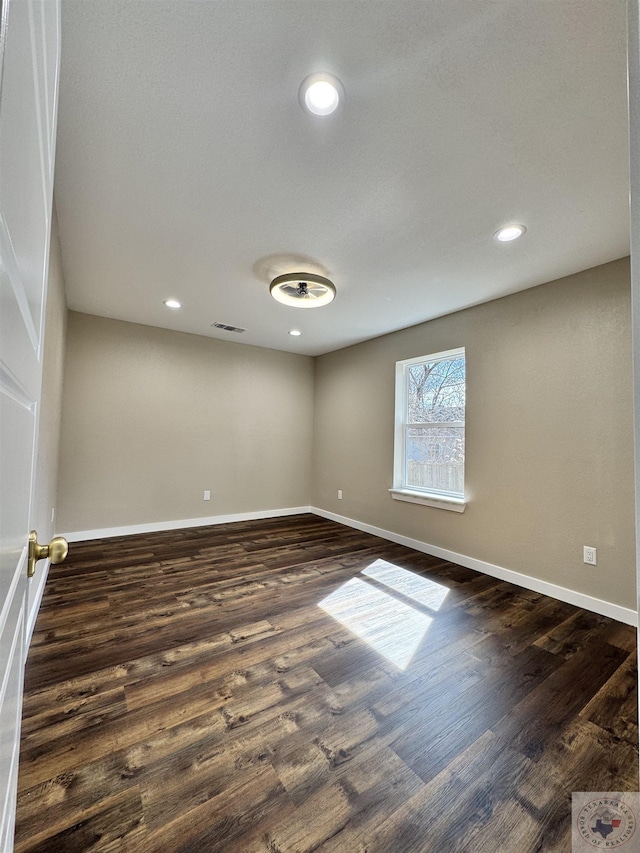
(302, 290)
(172, 303)
(321, 94)
(509, 233)
(295, 333)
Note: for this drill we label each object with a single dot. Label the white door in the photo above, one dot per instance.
(29, 62)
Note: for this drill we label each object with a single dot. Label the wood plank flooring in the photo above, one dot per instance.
(185, 693)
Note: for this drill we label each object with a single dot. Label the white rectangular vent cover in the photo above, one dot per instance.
(227, 327)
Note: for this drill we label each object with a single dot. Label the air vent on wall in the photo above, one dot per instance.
(227, 327)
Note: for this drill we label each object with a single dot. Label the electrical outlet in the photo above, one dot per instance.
(339, 494)
(590, 555)
(207, 495)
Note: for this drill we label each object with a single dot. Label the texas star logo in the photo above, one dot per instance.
(607, 823)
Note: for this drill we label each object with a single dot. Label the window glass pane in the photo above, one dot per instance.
(435, 459)
(435, 391)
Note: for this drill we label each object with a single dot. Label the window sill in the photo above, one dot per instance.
(453, 504)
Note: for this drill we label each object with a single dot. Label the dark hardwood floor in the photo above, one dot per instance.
(185, 693)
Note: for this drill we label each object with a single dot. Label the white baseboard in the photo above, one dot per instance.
(570, 596)
(579, 599)
(154, 526)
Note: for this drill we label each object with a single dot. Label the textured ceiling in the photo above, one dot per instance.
(186, 167)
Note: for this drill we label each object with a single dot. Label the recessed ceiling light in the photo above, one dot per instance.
(509, 232)
(321, 94)
(172, 303)
(295, 332)
(302, 290)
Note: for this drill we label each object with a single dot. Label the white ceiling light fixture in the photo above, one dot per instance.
(509, 233)
(321, 94)
(302, 290)
(172, 303)
(295, 333)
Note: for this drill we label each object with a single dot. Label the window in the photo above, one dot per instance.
(429, 435)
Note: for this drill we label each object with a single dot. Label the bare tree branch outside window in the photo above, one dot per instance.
(434, 438)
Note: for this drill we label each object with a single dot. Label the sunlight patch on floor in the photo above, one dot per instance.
(422, 590)
(391, 627)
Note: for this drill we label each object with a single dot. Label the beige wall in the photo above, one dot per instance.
(549, 433)
(45, 494)
(152, 418)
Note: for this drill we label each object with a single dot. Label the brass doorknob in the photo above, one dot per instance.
(56, 551)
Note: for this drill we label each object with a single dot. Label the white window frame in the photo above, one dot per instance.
(400, 491)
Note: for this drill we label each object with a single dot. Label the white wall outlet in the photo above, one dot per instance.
(207, 495)
(590, 555)
(339, 494)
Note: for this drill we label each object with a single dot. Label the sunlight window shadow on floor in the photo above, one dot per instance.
(422, 590)
(391, 627)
